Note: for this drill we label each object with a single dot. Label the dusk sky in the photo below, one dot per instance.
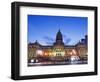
(44, 28)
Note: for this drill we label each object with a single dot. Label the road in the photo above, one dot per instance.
(57, 63)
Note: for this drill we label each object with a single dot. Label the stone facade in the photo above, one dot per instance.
(58, 50)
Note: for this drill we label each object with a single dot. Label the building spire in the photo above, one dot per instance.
(59, 36)
(59, 30)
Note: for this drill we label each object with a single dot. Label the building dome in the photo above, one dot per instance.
(59, 37)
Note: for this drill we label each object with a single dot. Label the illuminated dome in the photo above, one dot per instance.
(59, 38)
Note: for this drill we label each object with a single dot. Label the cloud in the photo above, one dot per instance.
(49, 43)
(64, 36)
(67, 40)
(48, 40)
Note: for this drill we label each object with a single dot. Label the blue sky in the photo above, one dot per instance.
(44, 28)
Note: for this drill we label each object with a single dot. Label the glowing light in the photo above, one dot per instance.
(50, 53)
(36, 60)
(39, 52)
(70, 53)
(46, 53)
(74, 58)
(32, 60)
(74, 52)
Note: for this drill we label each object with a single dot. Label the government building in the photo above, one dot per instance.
(58, 51)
